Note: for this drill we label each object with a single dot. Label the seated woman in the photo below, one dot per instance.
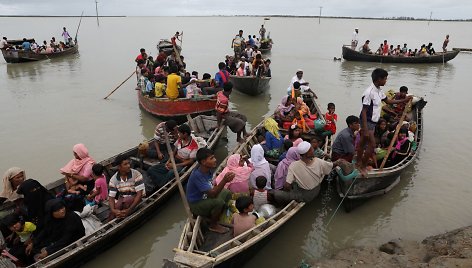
(62, 227)
(294, 134)
(380, 133)
(12, 178)
(402, 147)
(274, 140)
(261, 167)
(80, 168)
(282, 168)
(284, 113)
(242, 168)
(184, 153)
(35, 197)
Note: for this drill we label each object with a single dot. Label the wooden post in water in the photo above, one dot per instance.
(177, 177)
(389, 150)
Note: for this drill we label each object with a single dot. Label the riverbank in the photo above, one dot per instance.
(451, 249)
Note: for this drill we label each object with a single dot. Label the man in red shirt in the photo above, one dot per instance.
(142, 55)
(234, 120)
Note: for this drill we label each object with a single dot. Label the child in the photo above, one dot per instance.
(100, 191)
(19, 228)
(315, 143)
(192, 88)
(159, 87)
(260, 195)
(73, 187)
(243, 221)
(331, 119)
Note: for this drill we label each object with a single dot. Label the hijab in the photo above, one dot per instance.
(35, 197)
(303, 107)
(271, 125)
(232, 165)
(75, 165)
(282, 167)
(261, 166)
(283, 108)
(8, 192)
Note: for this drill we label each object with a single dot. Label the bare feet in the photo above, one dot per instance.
(240, 140)
(218, 229)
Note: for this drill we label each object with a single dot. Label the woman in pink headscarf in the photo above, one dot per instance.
(282, 167)
(242, 169)
(79, 168)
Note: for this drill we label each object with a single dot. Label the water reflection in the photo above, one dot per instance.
(34, 70)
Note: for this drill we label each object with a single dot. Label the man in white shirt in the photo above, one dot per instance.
(355, 39)
(304, 86)
(4, 43)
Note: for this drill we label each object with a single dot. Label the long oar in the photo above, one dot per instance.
(78, 27)
(400, 123)
(177, 176)
(120, 85)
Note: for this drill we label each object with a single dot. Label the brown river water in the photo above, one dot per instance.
(47, 107)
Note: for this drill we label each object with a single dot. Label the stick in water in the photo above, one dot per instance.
(120, 85)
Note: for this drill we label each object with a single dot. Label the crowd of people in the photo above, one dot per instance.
(44, 47)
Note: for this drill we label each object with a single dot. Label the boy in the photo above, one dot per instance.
(371, 108)
(100, 191)
(260, 196)
(315, 143)
(243, 221)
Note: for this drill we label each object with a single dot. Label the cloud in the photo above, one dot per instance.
(453, 9)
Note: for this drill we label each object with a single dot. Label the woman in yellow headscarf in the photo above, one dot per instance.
(274, 139)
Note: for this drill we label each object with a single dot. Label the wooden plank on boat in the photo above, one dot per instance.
(195, 232)
(192, 260)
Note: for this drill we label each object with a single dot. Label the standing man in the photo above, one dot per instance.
(222, 76)
(235, 121)
(355, 38)
(304, 85)
(4, 43)
(446, 41)
(66, 36)
(237, 44)
(126, 189)
(262, 32)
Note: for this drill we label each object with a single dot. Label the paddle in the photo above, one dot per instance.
(177, 176)
(395, 135)
(120, 85)
(77, 32)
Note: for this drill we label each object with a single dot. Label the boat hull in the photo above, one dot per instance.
(165, 108)
(352, 55)
(250, 85)
(20, 56)
(379, 182)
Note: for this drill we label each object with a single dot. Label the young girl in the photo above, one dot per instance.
(331, 119)
(243, 221)
(260, 195)
(100, 191)
(20, 237)
(294, 134)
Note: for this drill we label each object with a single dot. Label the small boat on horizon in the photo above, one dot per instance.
(440, 57)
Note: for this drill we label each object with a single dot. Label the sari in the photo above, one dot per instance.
(240, 183)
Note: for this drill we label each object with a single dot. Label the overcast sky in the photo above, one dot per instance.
(442, 9)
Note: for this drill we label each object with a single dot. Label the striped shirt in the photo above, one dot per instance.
(260, 198)
(160, 136)
(133, 184)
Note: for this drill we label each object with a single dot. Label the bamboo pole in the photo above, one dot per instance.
(389, 150)
(120, 85)
(177, 177)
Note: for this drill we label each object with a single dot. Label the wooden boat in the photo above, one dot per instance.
(462, 49)
(111, 232)
(19, 56)
(250, 85)
(440, 57)
(199, 248)
(166, 46)
(378, 182)
(177, 109)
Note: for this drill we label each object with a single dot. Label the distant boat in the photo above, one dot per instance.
(166, 46)
(19, 55)
(440, 57)
(178, 109)
(251, 85)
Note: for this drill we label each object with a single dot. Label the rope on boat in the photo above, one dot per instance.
(342, 200)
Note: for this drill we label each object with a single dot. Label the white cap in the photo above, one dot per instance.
(303, 147)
